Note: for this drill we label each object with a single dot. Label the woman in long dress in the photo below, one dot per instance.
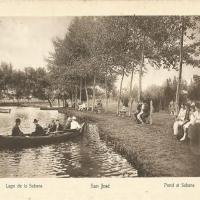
(194, 129)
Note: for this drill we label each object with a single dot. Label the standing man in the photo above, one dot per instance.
(16, 130)
(38, 129)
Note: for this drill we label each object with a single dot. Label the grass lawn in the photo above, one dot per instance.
(152, 149)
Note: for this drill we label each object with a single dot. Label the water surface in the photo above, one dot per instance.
(86, 156)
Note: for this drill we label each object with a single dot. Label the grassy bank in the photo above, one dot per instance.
(152, 149)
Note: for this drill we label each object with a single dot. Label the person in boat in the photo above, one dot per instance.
(52, 126)
(75, 124)
(59, 126)
(180, 120)
(38, 129)
(194, 128)
(68, 123)
(16, 130)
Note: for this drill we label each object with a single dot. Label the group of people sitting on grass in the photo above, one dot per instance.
(98, 107)
(142, 112)
(187, 123)
(53, 127)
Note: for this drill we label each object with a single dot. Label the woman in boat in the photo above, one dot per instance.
(75, 124)
(59, 127)
(16, 130)
(38, 129)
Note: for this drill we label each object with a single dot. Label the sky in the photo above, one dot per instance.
(27, 41)
(158, 77)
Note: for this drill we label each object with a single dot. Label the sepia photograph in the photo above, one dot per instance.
(100, 96)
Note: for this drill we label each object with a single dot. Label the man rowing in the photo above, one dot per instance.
(16, 130)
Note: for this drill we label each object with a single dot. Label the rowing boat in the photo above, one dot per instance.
(5, 110)
(50, 108)
(30, 141)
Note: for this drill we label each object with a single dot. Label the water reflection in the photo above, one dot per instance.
(86, 156)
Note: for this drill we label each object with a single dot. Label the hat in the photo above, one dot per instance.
(18, 120)
(35, 121)
(197, 105)
(74, 118)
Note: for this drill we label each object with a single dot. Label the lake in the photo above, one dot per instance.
(86, 156)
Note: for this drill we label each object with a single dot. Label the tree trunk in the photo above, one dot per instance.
(80, 90)
(58, 102)
(50, 104)
(63, 101)
(76, 94)
(93, 97)
(86, 92)
(106, 92)
(130, 91)
(141, 70)
(120, 91)
(180, 70)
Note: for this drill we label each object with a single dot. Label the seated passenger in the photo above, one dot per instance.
(75, 124)
(59, 127)
(180, 120)
(68, 123)
(38, 129)
(16, 130)
(52, 126)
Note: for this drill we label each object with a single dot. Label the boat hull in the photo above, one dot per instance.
(32, 141)
(3, 110)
